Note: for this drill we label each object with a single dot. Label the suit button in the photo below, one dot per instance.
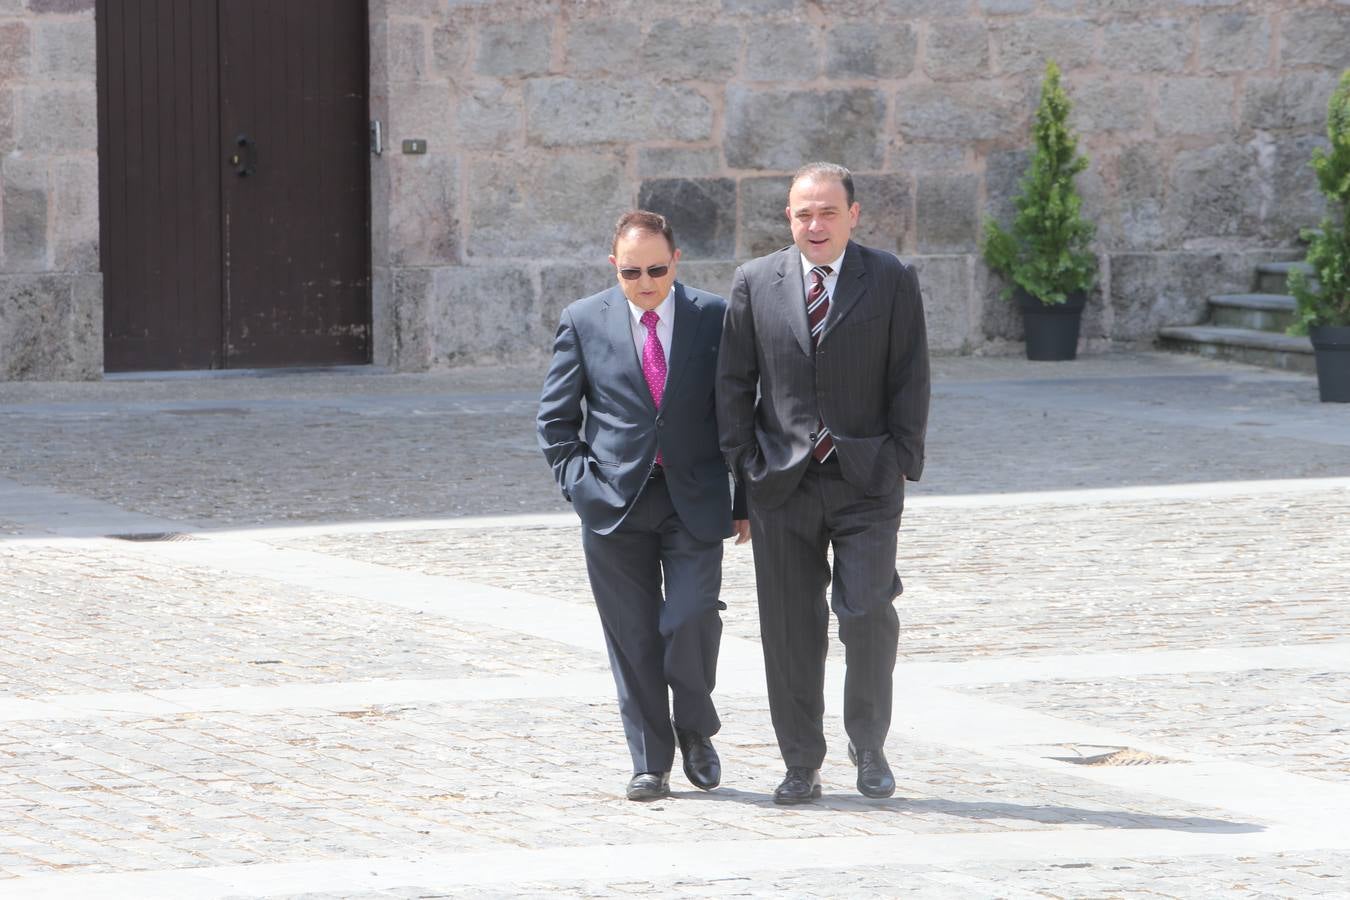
(811, 437)
(660, 421)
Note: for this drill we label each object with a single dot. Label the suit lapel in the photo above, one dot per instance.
(792, 296)
(620, 327)
(685, 329)
(848, 289)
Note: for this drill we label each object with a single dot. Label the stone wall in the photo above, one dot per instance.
(51, 297)
(546, 119)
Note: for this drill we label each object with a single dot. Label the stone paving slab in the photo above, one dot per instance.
(86, 617)
(1297, 720)
(224, 788)
(356, 448)
(993, 580)
(1090, 561)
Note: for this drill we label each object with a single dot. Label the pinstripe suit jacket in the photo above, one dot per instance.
(867, 379)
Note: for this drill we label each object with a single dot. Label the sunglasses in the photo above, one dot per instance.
(633, 274)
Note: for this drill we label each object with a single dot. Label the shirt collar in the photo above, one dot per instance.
(807, 265)
(663, 311)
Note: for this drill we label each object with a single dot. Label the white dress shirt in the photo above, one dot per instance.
(665, 329)
(830, 280)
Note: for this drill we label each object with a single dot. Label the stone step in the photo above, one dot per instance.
(1272, 276)
(1258, 312)
(1258, 348)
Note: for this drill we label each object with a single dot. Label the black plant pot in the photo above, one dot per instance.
(1331, 348)
(1051, 331)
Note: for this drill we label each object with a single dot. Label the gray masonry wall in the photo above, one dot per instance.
(51, 297)
(547, 118)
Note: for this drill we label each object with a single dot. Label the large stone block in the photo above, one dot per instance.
(1140, 192)
(477, 313)
(1233, 42)
(1023, 46)
(929, 156)
(1003, 174)
(1000, 322)
(697, 51)
(449, 49)
(784, 129)
(560, 284)
(561, 205)
(421, 110)
(957, 50)
(1105, 103)
(658, 162)
(564, 112)
(763, 210)
(24, 212)
(1150, 290)
(65, 49)
(904, 10)
(763, 7)
(1006, 7)
(424, 210)
(887, 211)
(1160, 45)
(516, 49)
(702, 212)
(57, 120)
(788, 51)
(16, 43)
(382, 316)
(603, 45)
(489, 116)
(1287, 175)
(411, 341)
(1291, 100)
(48, 329)
(61, 6)
(8, 135)
(947, 290)
(1319, 37)
(712, 275)
(870, 50)
(1196, 106)
(1210, 195)
(974, 111)
(947, 216)
(408, 58)
(73, 234)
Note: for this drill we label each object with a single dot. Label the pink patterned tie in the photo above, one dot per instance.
(654, 362)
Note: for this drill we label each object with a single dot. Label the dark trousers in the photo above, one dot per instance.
(657, 643)
(792, 573)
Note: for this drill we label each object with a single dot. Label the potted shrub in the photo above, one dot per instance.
(1044, 255)
(1323, 310)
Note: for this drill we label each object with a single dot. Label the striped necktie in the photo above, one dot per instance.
(817, 307)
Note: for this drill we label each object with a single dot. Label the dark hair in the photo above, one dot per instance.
(643, 221)
(818, 170)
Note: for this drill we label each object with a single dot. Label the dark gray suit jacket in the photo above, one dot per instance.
(867, 380)
(602, 459)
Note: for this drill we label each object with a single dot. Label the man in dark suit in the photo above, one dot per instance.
(822, 396)
(642, 468)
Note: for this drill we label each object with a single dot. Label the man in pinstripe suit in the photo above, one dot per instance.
(822, 400)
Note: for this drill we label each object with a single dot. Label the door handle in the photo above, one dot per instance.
(245, 156)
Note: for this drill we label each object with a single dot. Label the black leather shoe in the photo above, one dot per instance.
(874, 773)
(701, 765)
(649, 786)
(801, 785)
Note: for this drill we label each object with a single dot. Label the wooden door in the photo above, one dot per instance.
(234, 183)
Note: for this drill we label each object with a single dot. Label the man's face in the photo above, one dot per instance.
(640, 251)
(821, 218)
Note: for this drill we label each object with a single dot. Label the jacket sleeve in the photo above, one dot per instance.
(559, 420)
(908, 380)
(737, 379)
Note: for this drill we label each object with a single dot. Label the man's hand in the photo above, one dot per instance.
(742, 527)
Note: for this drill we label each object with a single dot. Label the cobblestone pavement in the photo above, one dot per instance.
(361, 677)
